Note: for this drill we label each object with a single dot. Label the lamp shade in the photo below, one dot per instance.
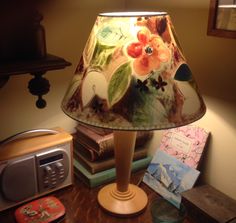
(133, 75)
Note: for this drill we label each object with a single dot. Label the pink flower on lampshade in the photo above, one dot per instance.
(149, 53)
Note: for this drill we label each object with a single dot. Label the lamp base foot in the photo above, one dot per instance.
(131, 202)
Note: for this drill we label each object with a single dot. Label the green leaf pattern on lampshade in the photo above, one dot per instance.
(132, 75)
(119, 83)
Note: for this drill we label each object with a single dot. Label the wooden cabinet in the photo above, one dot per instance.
(38, 85)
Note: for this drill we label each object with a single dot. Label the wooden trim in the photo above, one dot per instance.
(29, 145)
(211, 29)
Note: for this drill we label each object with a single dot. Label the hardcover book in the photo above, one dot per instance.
(90, 138)
(90, 152)
(98, 130)
(98, 166)
(93, 180)
(102, 145)
(169, 177)
(186, 143)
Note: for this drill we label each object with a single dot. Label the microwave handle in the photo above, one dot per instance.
(29, 133)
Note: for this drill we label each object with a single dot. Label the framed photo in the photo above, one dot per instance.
(222, 18)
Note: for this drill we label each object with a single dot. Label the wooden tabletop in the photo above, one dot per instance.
(82, 206)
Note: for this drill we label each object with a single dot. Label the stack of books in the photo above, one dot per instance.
(94, 161)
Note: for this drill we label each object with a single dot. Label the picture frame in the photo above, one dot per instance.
(214, 20)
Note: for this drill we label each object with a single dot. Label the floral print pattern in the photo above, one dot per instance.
(133, 75)
(149, 53)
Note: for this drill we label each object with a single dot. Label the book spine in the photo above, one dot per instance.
(95, 167)
(88, 153)
(104, 146)
(96, 130)
(86, 140)
(90, 134)
(93, 180)
(92, 153)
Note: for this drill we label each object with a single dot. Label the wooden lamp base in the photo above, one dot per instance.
(122, 198)
(124, 204)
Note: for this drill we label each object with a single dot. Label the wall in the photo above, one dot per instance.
(212, 60)
(68, 24)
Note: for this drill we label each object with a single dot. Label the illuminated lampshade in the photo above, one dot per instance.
(132, 76)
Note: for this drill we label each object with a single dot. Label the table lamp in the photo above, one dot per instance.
(132, 76)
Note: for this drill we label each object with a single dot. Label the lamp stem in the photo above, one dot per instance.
(124, 143)
(122, 198)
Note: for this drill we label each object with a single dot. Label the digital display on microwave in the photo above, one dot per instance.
(51, 159)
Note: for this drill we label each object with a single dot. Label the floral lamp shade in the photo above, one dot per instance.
(133, 75)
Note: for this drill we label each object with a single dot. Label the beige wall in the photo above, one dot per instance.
(68, 24)
(212, 60)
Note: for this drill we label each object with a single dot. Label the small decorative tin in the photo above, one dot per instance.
(44, 210)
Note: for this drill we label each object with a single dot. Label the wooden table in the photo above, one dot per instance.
(82, 206)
